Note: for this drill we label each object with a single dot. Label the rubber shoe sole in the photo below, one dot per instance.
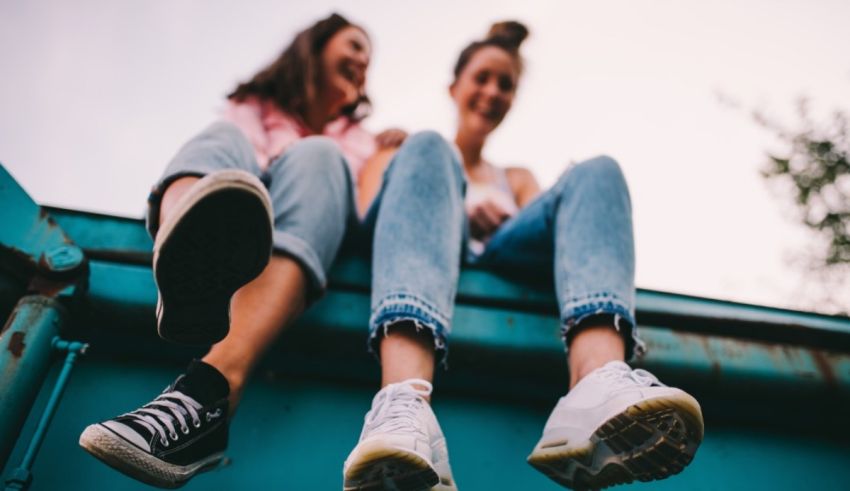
(219, 239)
(377, 467)
(138, 464)
(650, 440)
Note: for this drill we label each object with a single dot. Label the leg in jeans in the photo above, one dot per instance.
(418, 220)
(582, 229)
(305, 238)
(184, 431)
(418, 224)
(311, 192)
(616, 424)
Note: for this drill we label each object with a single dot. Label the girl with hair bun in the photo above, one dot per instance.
(579, 233)
(616, 424)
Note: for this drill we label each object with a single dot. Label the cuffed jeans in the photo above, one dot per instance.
(417, 227)
(580, 229)
(310, 188)
(578, 232)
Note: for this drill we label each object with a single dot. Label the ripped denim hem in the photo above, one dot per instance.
(408, 308)
(579, 310)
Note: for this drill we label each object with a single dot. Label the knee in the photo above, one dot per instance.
(426, 139)
(222, 143)
(429, 154)
(316, 156)
(315, 148)
(601, 169)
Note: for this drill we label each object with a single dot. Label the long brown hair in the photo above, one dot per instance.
(291, 80)
(507, 35)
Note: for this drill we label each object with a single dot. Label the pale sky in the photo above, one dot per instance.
(96, 96)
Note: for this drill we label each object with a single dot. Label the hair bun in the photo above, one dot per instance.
(510, 32)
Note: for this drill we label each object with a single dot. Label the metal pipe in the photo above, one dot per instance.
(26, 346)
(73, 348)
(21, 478)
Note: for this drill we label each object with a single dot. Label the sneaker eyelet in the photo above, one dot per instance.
(196, 423)
(185, 430)
(164, 442)
(174, 436)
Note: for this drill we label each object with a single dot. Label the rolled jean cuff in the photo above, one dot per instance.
(303, 253)
(599, 309)
(403, 307)
(155, 199)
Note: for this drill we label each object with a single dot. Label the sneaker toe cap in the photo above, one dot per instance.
(128, 434)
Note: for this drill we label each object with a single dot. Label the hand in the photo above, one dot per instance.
(485, 218)
(391, 138)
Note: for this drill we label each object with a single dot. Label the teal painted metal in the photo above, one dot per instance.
(25, 357)
(774, 384)
(125, 295)
(37, 257)
(21, 477)
(513, 323)
(124, 241)
(293, 433)
(72, 350)
(30, 241)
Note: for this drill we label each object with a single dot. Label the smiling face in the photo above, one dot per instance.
(345, 59)
(484, 90)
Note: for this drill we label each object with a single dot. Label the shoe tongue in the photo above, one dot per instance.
(620, 366)
(416, 385)
(203, 383)
(136, 426)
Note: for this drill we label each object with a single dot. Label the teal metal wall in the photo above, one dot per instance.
(294, 432)
(774, 384)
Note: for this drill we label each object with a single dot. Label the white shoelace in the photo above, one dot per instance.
(396, 406)
(621, 374)
(156, 420)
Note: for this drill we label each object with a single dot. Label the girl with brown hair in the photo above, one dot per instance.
(247, 220)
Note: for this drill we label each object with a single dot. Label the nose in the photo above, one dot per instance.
(362, 59)
(491, 90)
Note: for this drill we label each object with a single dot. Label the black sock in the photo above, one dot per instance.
(203, 382)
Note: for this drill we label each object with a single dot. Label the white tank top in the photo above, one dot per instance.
(498, 191)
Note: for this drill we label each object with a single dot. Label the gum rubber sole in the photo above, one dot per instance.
(221, 243)
(379, 468)
(651, 440)
(138, 464)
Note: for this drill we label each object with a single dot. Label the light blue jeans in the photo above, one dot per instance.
(579, 234)
(417, 224)
(310, 187)
(416, 228)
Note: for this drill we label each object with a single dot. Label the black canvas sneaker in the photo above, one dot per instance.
(218, 238)
(167, 441)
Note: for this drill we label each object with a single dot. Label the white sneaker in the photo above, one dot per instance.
(617, 425)
(401, 446)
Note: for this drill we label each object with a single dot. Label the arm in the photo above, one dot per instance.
(523, 185)
(371, 175)
(370, 178)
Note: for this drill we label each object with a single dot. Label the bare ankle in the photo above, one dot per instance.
(172, 195)
(407, 352)
(592, 348)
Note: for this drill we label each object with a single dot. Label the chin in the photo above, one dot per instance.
(486, 128)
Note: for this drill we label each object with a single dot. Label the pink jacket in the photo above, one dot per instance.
(271, 131)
